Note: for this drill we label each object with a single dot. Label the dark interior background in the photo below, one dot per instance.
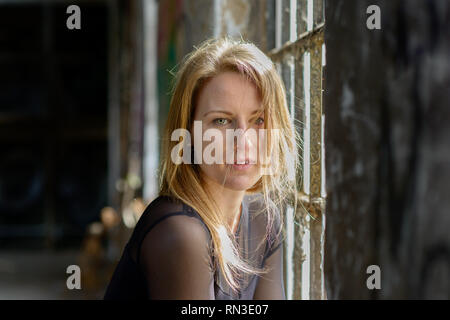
(53, 124)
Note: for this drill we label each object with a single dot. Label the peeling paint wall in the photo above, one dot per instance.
(245, 18)
(387, 149)
(235, 17)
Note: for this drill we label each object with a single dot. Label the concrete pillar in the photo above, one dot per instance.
(387, 149)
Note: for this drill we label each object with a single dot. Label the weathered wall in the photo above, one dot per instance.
(386, 103)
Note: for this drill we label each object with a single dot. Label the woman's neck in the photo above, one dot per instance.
(229, 202)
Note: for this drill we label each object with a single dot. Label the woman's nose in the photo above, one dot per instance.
(242, 127)
(243, 138)
(244, 144)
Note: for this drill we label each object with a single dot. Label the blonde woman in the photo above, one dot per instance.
(216, 229)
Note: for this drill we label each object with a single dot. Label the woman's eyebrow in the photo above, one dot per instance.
(229, 113)
(218, 111)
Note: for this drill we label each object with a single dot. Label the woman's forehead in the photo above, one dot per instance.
(229, 91)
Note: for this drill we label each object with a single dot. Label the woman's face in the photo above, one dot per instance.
(230, 101)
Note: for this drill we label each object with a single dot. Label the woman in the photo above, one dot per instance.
(215, 231)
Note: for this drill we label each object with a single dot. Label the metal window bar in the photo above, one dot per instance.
(299, 58)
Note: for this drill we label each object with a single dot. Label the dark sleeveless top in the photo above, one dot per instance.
(169, 256)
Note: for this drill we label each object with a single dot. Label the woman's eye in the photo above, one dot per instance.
(221, 121)
(259, 121)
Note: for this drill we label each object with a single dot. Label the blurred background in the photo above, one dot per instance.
(82, 111)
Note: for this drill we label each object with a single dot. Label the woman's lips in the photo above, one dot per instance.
(241, 167)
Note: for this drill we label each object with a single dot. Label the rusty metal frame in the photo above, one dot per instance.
(311, 206)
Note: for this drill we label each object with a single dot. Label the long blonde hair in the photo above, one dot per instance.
(184, 182)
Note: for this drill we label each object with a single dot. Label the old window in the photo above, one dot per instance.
(299, 53)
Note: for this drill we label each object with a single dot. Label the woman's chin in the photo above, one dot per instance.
(237, 180)
(239, 183)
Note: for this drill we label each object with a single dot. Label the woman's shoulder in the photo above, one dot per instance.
(164, 207)
(167, 222)
(164, 204)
